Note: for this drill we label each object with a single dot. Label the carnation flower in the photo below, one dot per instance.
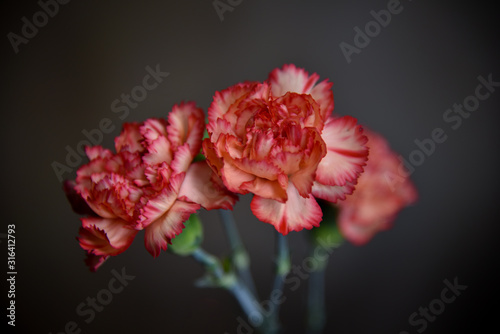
(150, 183)
(277, 140)
(382, 191)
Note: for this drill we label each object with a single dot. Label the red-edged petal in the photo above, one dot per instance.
(160, 232)
(161, 203)
(233, 177)
(259, 144)
(225, 98)
(357, 232)
(130, 138)
(262, 168)
(233, 147)
(114, 196)
(201, 185)
(218, 128)
(103, 236)
(158, 176)
(315, 149)
(213, 160)
(346, 152)
(182, 159)
(291, 79)
(186, 125)
(323, 95)
(332, 193)
(159, 150)
(95, 152)
(152, 128)
(381, 192)
(303, 179)
(302, 108)
(295, 214)
(267, 188)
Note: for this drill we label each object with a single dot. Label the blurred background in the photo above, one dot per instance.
(67, 72)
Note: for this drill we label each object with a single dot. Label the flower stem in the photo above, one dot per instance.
(237, 287)
(210, 262)
(239, 255)
(282, 270)
(316, 315)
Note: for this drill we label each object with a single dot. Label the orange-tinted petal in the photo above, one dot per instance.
(295, 214)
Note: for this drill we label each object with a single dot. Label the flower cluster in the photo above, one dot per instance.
(276, 139)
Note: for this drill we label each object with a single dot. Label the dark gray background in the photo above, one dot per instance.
(424, 61)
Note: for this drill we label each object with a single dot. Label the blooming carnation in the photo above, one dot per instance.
(278, 140)
(149, 184)
(382, 191)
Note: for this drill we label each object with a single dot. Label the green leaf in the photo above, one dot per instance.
(190, 239)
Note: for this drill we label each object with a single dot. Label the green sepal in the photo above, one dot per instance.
(199, 157)
(190, 239)
(328, 228)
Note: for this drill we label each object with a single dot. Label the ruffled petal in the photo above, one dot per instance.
(323, 95)
(263, 168)
(152, 128)
(213, 160)
(381, 192)
(158, 205)
(303, 179)
(114, 196)
(233, 177)
(291, 79)
(158, 176)
(182, 159)
(332, 193)
(360, 233)
(201, 185)
(302, 109)
(295, 214)
(95, 152)
(218, 128)
(225, 98)
(346, 152)
(186, 125)
(267, 188)
(160, 232)
(130, 138)
(159, 151)
(105, 237)
(259, 144)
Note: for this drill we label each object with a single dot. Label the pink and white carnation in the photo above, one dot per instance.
(150, 184)
(278, 140)
(382, 191)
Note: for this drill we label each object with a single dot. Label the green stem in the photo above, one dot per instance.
(282, 270)
(316, 315)
(239, 255)
(316, 311)
(238, 288)
(210, 262)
